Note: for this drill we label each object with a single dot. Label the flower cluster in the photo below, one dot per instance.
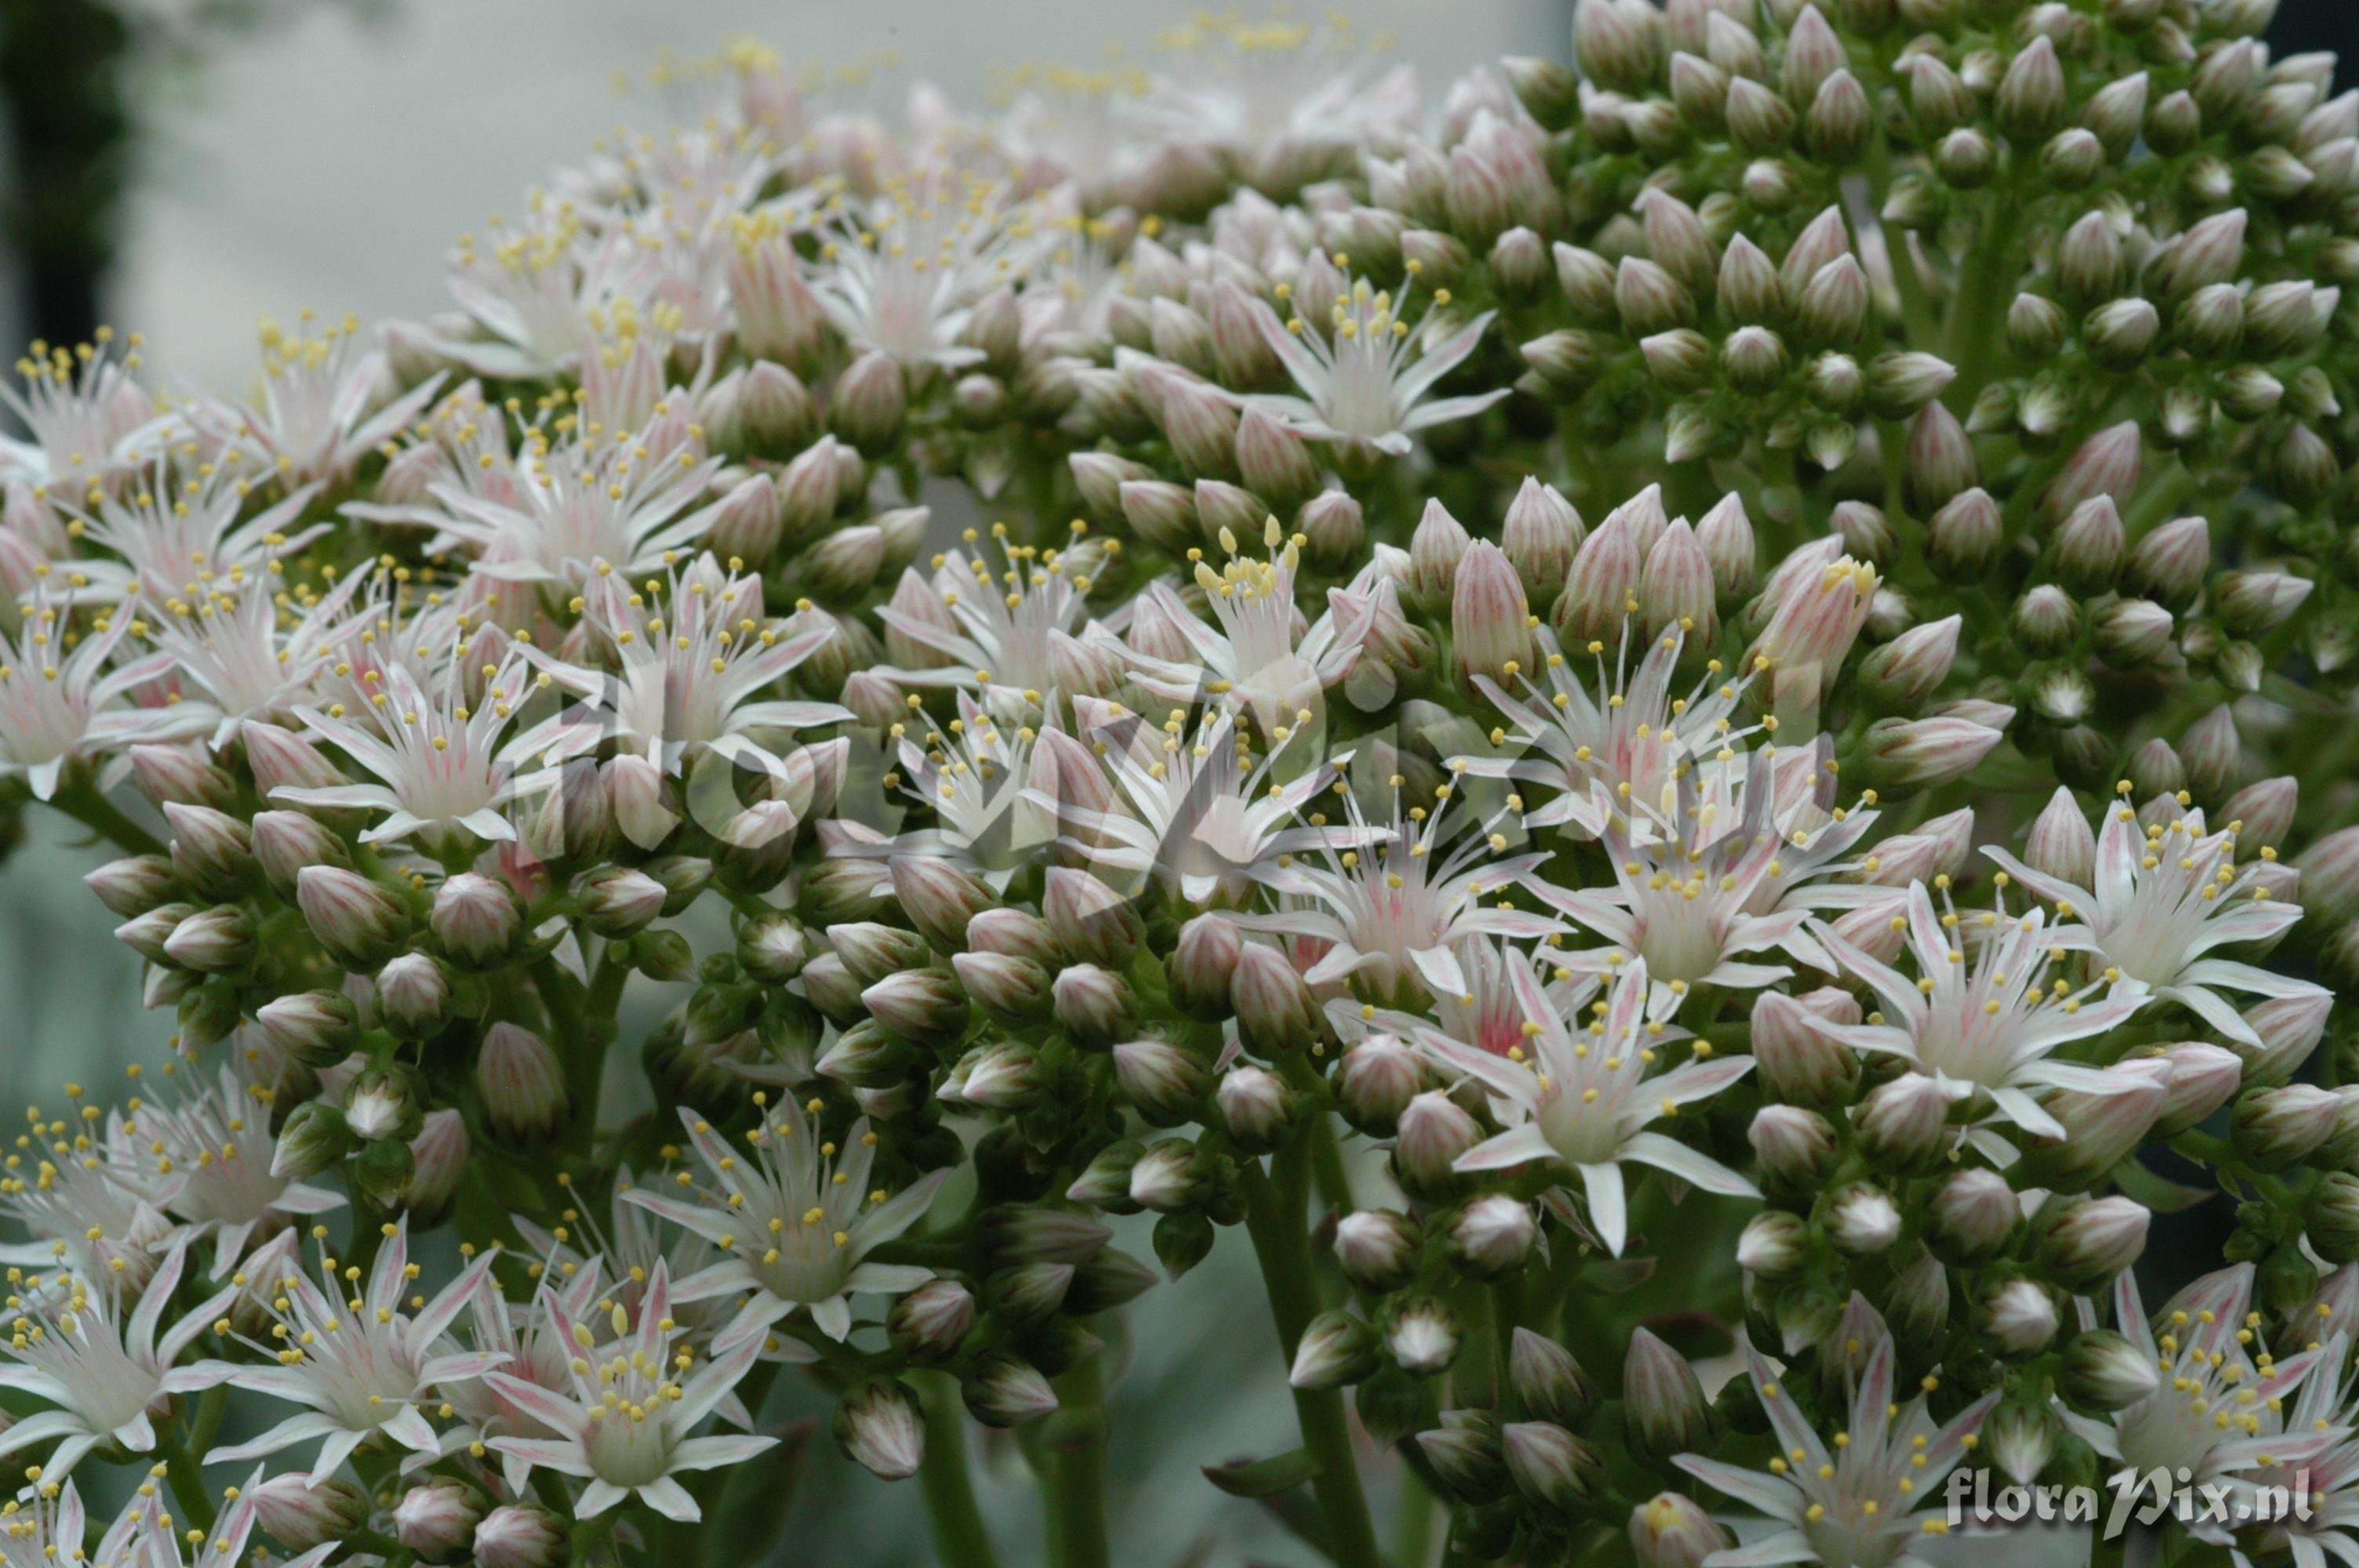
(1679, 721)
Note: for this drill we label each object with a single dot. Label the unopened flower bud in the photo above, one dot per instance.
(615, 901)
(1464, 1452)
(1004, 1391)
(1375, 1082)
(2031, 95)
(1903, 1125)
(314, 1137)
(1603, 587)
(2036, 327)
(2102, 1372)
(1090, 920)
(1163, 1082)
(1799, 1063)
(2101, 1128)
(1423, 1337)
(938, 898)
(2020, 1317)
(2131, 632)
(1335, 1349)
(1924, 753)
(2274, 1128)
(518, 1535)
(284, 842)
(1489, 630)
(1378, 1249)
(1548, 1381)
(522, 1084)
(2093, 1240)
(1434, 1131)
(1435, 550)
(211, 941)
(1662, 1400)
(2018, 1436)
(413, 995)
(1169, 1176)
(359, 923)
(880, 1427)
(2086, 551)
(928, 1324)
(1673, 1531)
(1256, 1106)
(300, 1514)
(1015, 991)
(1773, 1244)
(1970, 1217)
(1553, 1470)
(437, 1160)
(1863, 1219)
(2249, 604)
(1909, 669)
(1094, 1005)
(474, 920)
(1276, 1011)
(1493, 1235)
(2203, 1078)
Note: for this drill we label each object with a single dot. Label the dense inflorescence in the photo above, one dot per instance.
(1682, 723)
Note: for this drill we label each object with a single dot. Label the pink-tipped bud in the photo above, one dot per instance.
(437, 1160)
(1539, 536)
(1489, 618)
(1202, 965)
(1796, 1148)
(1924, 753)
(2203, 1078)
(2290, 1028)
(522, 1084)
(135, 884)
(282, 758)
(284, 842)
(300, 1514)
(2263, 812)
(1673, 1531)
(2019, 1316)
(180, 775)
(938, 898)
(1436, 548)
(1275, 1010)
(1603, 587)
(615, 901)
(359, 923)
(1912, 666)
(1090, 921)
(1375, 1083)
(474, 920)
(1861, 1219)
(1969, 1217)
(1434, 1131)
(519, 1535)
(2094, 1241)
(1799, 1063)
(1094, 1006)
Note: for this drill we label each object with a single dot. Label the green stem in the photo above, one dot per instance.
(185, 1473)
(583, 1024)
(1274, 1213)
(960, 1538)
(1974, 325)
(86, 804)
(1413, 1527)
(1077, 1468)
